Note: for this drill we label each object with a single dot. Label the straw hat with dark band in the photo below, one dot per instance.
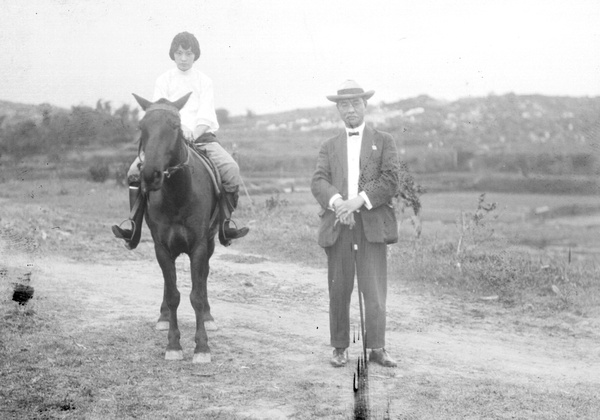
(350, 90)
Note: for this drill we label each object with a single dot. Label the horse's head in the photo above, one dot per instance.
(159, 139)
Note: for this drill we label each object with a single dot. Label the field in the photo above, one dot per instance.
(490, 316)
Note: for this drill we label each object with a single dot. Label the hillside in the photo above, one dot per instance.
(523, 136)
(511, 134)
(510, 121)
(12, 113)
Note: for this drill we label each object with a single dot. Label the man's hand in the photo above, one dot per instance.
(348, 220)
(345, 208)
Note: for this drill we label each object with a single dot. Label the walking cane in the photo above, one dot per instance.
(361, 403)
(363, 330)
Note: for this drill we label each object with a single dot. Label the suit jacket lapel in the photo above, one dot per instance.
(342, 159)
(366, 147)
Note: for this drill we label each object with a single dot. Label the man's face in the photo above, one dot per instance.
(352, 111)
(184, 58)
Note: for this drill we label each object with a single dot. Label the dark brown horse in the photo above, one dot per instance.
(181, 213)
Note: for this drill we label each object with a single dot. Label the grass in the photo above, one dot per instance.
(94, 374)
(487, 264)
(282, 230)
(52, 367)
(40, 365)
(489, 399)
(73, 218)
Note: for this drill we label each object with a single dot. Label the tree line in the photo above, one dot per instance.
(50, 130)
(53, 130)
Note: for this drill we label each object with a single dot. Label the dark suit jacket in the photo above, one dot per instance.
(378, 179)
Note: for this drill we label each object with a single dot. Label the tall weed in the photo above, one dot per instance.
(478, 263)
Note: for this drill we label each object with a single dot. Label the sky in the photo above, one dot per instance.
(277, 55)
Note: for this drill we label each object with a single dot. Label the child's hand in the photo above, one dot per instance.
(187, 133)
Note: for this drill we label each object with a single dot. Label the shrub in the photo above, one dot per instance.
(22, 139)
(120, 170)
(99, 171)
(275, 202)
(222, 116)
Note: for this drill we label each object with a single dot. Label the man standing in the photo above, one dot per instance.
(355, 180)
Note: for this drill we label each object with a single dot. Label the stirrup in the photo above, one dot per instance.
(132, 230)
(227, 222)
(242, 232)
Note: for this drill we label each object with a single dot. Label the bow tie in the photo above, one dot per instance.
(353, 133)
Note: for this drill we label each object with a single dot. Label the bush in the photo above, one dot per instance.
(99, 171)
(22, 139)
(120, 170)
(222, 116)
(55, 131)
(275, 202)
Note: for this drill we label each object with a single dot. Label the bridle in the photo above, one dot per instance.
(174, 111)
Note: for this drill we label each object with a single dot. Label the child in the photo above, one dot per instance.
(198, 123)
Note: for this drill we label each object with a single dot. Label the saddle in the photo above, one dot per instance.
(223, 205)
(137, 210)
(209, 164)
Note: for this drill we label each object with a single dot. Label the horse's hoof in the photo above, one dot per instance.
(174, 355)
(201, 358)
(210, 326)
(162, 325)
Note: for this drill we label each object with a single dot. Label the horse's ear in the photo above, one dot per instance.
(144, 103)
(179, 103)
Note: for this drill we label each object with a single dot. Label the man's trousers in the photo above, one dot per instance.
(353, 254)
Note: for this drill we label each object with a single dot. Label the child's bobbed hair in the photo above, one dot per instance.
(185, 40)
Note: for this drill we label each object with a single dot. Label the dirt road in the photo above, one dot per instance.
(270, 354)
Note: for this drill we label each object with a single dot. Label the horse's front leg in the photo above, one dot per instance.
(171, 300)
(199, 298)
(209, 321)
(163, 320)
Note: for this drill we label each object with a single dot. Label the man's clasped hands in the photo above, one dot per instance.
(344, 209)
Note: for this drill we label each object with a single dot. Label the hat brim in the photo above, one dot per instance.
(337, 98)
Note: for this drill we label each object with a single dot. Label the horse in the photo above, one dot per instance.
(181, 213)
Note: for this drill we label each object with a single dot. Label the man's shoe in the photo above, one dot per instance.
(381, 356)
(339, 358)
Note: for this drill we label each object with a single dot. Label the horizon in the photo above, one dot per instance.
(272, 57)
(371, 103)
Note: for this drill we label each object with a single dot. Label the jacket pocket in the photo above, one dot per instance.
(328, 230)
(390, 225)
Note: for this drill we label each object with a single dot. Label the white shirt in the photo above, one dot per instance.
(353, 156)
(200, 107)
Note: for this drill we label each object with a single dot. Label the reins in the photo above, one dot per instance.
(172, 169)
